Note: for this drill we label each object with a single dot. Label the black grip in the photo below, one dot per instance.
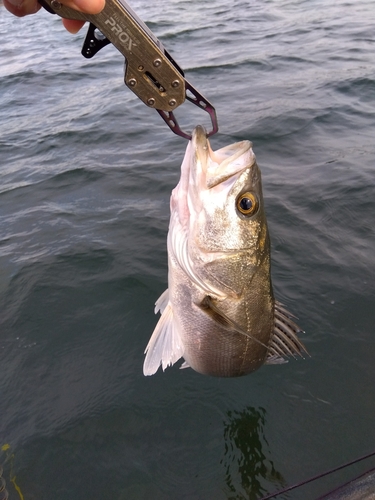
(46, 6)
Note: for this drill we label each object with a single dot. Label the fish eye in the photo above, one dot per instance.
(247, 204)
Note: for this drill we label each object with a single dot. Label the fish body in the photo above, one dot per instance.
(219, 312)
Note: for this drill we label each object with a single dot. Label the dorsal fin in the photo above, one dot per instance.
(284, 341)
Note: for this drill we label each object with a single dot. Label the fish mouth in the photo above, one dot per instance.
(200, 141)
(218, 166)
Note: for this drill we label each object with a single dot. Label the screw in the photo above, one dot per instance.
(172, 102)
(132, 82)
(175, 83)
(151, 101)
(157, 63)
(141, 68)
(56, 5)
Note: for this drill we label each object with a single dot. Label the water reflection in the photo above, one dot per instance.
(245, 456)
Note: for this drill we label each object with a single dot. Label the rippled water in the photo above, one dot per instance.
(86, 174)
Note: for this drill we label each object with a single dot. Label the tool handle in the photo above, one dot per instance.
(150, 72)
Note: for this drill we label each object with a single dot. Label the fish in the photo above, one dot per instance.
(219, 312)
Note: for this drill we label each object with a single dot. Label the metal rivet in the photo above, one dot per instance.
(151, 101)
(157, 63)
(175, 83)
(132, 82)
(56, 5)
(141, 68)
(172, 102)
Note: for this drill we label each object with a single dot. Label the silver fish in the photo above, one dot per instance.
(219, 312)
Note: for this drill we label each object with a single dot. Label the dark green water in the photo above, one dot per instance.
(86, 173)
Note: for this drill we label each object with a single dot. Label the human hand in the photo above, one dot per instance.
(22, 8)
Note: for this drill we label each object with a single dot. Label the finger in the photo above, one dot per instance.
(86, 6)
(73, 26)
(22, 8)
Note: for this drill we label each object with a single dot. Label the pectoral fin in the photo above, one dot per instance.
(284, 341)
(209, 307)
(165, 346)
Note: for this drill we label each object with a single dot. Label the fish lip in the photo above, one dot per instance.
(199, 134)
(200, 143)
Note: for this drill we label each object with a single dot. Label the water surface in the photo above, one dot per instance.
(86, 174)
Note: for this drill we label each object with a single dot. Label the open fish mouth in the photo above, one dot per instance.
(216, 167)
